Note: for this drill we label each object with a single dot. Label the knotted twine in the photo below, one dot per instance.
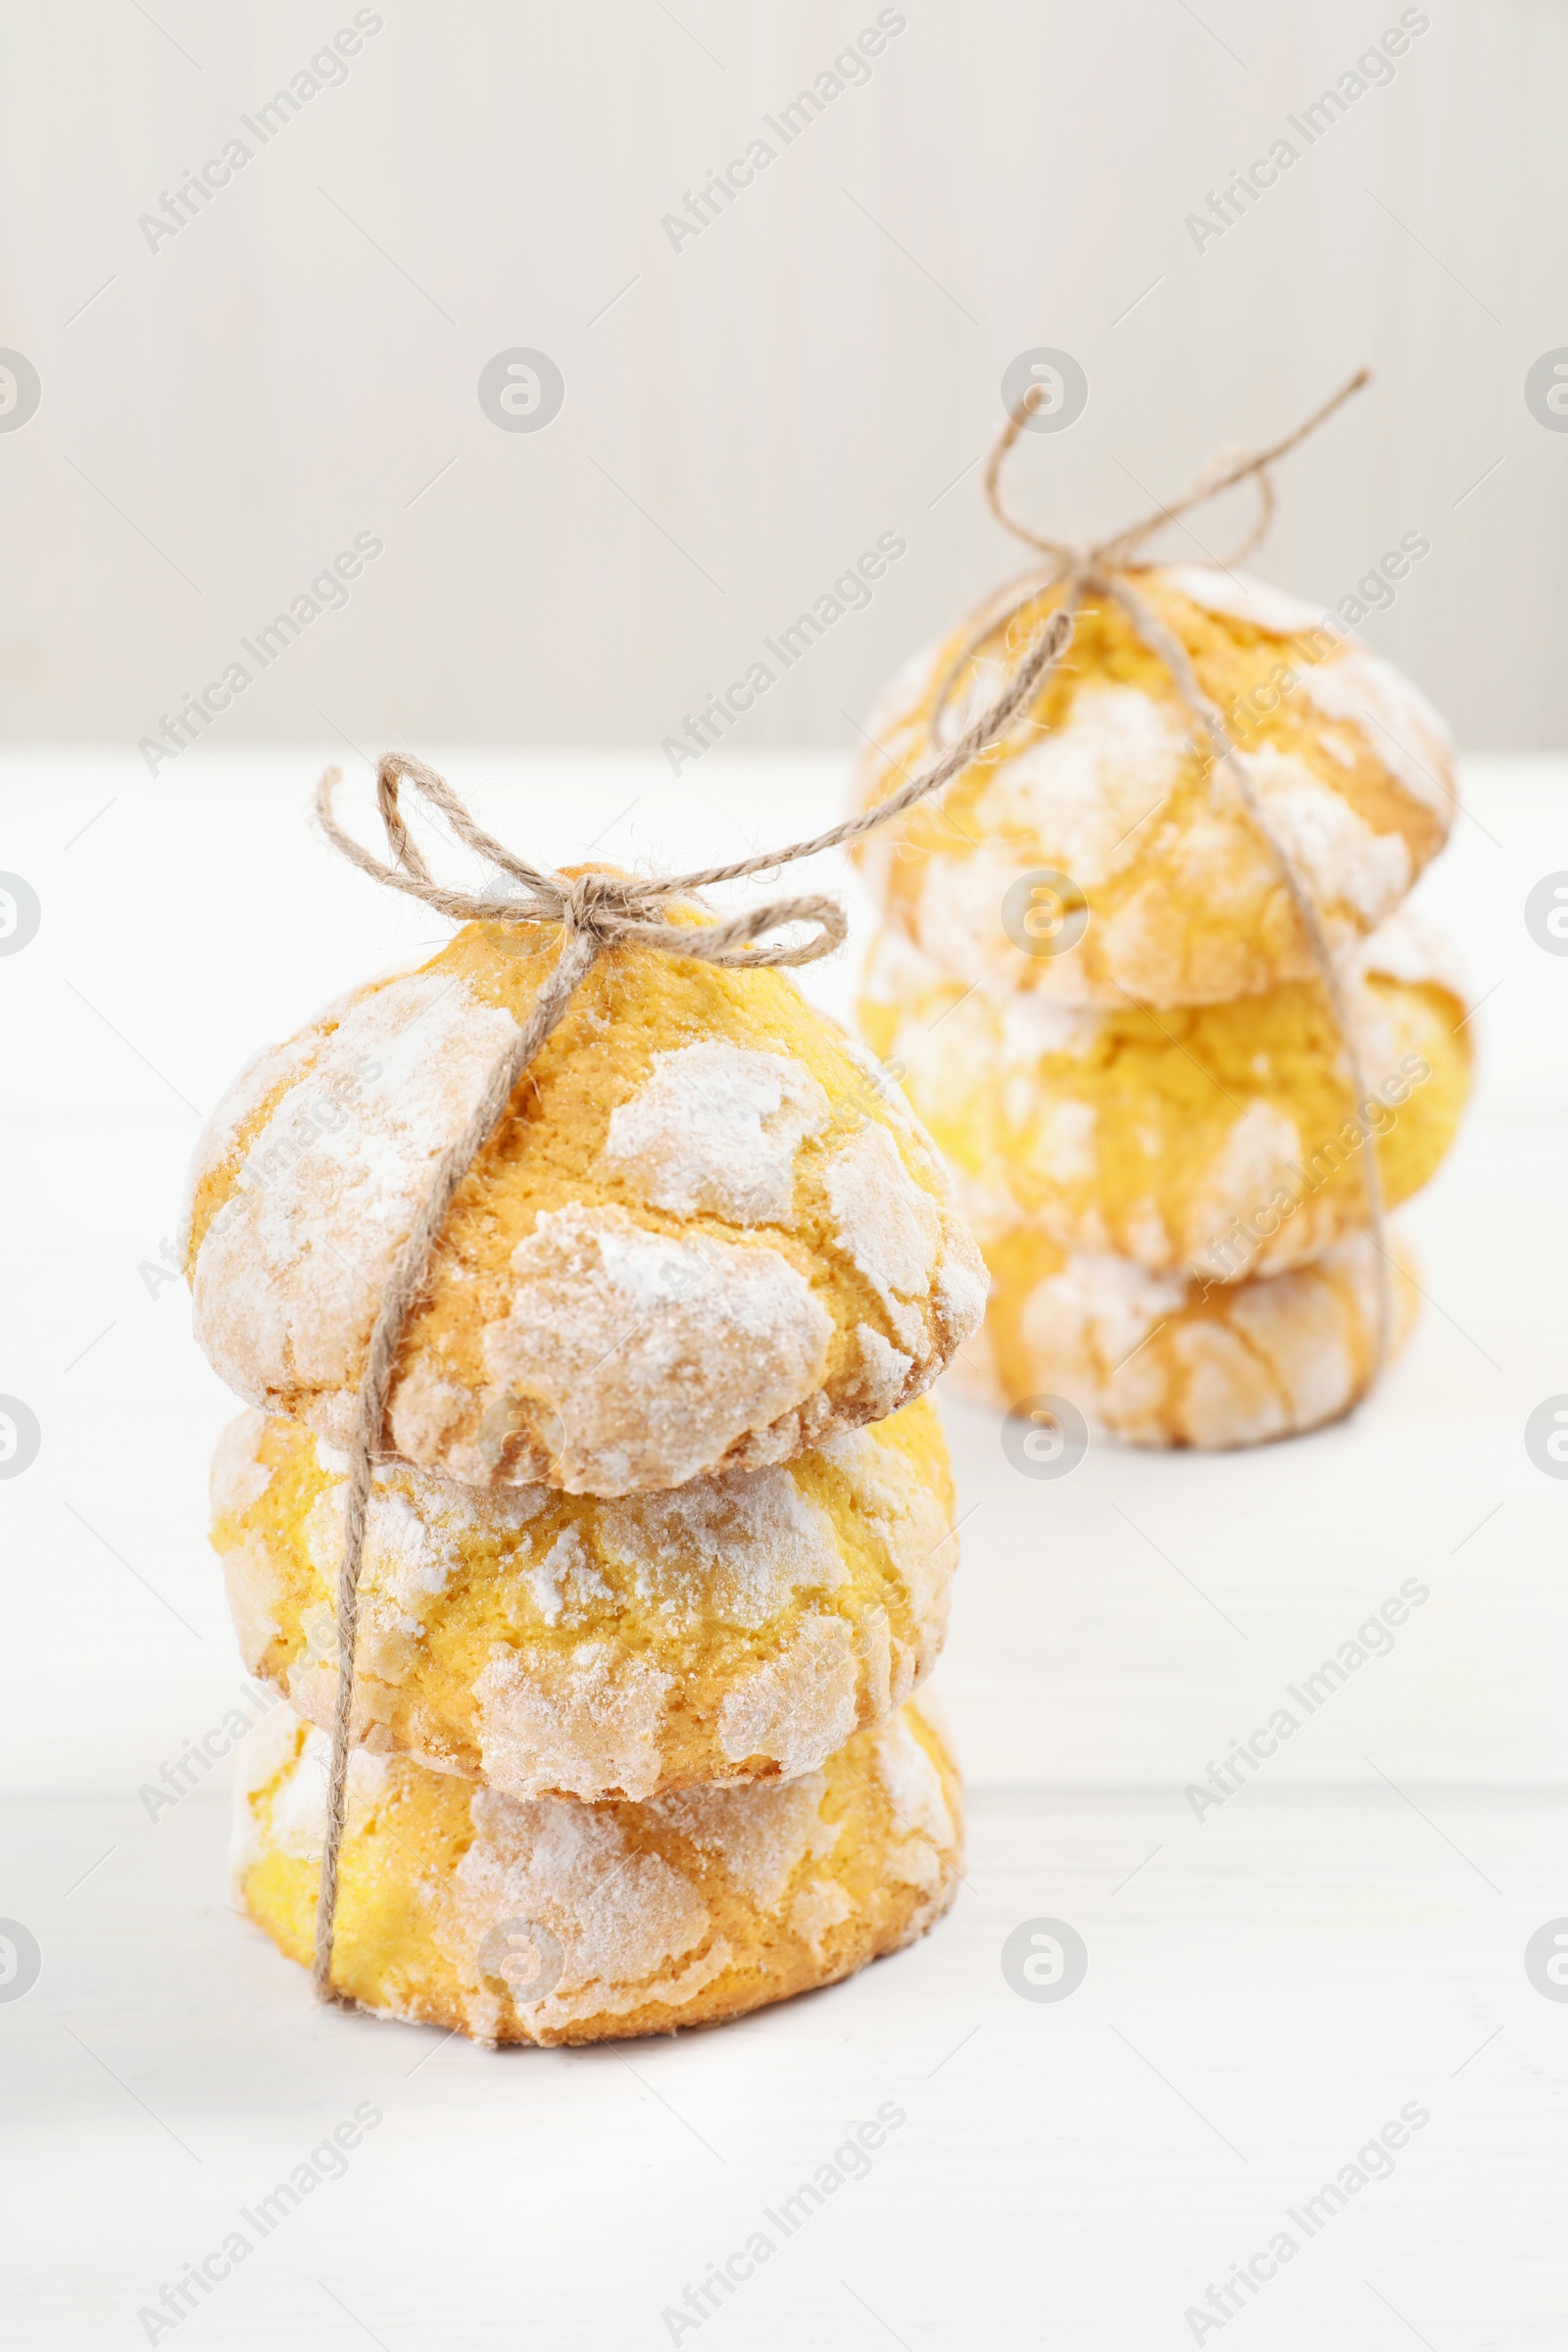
(1107, 568)
(596, 911)
(593, 911)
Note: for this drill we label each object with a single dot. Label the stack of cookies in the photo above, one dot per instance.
(1103, 1001)
(661, 1543)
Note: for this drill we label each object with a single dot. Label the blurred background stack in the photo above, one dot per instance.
(1158, 1088)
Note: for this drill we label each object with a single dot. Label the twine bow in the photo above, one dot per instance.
(1105, 567)
(593, 911)
(1097, 559)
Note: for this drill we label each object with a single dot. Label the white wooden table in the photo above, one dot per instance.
(1267, 1988)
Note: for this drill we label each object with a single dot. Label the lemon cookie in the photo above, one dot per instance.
(738, 1628)
(1160, 1360)
(1222, 1140)
(556, 1921)
(702, 1236)
(1165, 890)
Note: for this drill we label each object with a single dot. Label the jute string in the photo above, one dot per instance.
(1109, 567)
(593, 911)
(597, 911)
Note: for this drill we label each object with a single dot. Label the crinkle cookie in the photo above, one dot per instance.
(738, 1628)
(705, 1236)
(1219, 1139)
(1157, 1360)
(1101, 784)
(556, 1921)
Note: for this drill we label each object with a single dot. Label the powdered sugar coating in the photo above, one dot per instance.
(636, 1283)
(761, 1835)
(738, 1548)
(553, 1921)
(1221, 1140)
(1111, 783)
(1397, 721)
(1089, 786)
(298, 1820)
(273, 1067)
(1247, 1167)
(656, 1354)
(815, 1911)
(1343, 860)
(716, 1127)
(619, 1917)
(1159, 1361)
(800, 1706)
(239, 1476)
(742, 1626)
(286, 1278)
(565, 1582)
(1410, 948)
(886, 1223)
(1241, 597)
(886, 1370)
(1100, 1303)
(917, 1802)
(584, 1721)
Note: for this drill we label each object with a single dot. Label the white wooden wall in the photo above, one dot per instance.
(749, 410)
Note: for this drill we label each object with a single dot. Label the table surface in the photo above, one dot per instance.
(1267, 1988)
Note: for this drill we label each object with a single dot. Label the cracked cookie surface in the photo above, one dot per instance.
(1157, 1360)
(1100, 783)
(1221, 1141)
(737, 1630)
(558, 1922)
(704, 1236)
